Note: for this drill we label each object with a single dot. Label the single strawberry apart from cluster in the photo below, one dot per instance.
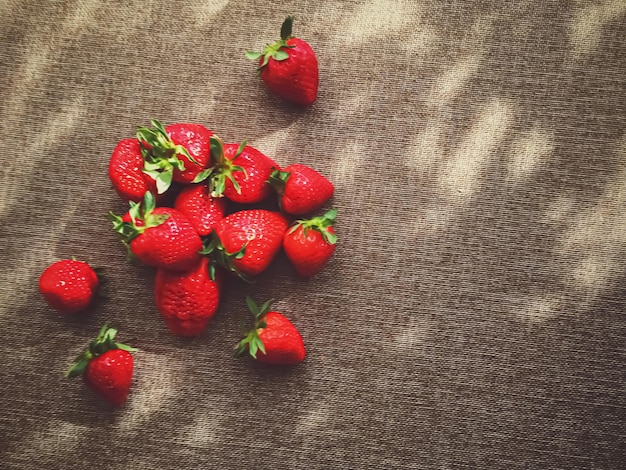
(289, 67)
(274, 339)
(69, 286)
(106, 367)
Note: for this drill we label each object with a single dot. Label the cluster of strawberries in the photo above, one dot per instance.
(198, 213)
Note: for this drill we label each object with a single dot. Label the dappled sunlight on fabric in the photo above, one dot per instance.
(271, 142)
(528, 152)
(596, 239)
(589, 21)
(377, 18)
(461, 175)
(59, 438)
(344, 170)
(206, 11)
(154, 385)
(538, 307)
(203, 430)
(54, 131)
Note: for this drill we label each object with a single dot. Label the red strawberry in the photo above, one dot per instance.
(126, 171)
(301, 189)
(201, 209)
(239, 172)
(289, 67)
(246, 242)
(106, 367)
(187, 300)
(274, 339)
(178, 152)
(161, 237)
(69, 286)
(309, 244)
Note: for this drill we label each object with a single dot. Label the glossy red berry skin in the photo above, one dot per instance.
(69, 286)
(110, 376)
(283, 342)
(307, 250)
(126, 171)
(201, 209)
(187, 300)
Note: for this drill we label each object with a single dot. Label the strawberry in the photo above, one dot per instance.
(126, 171)
(201, 209)
(274, 339)
(239, 172)
(289, 67)
(106, 367)
(301, 189)
(69, 286)
(309, 244)
(178, 152)
(187, 300)
(247, 241)
(161, 237)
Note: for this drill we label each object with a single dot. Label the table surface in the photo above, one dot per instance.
(473, 313)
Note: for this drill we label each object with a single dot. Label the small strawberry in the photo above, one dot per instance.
(126, 171)
(274, 339)
(187, 300)
(301, 189)
(239, 172)
(201, 209)
(247, 241)
(161, 237)
(309, 244)
(289, 67)
(106, 367)
(69, 286)
(178, 152)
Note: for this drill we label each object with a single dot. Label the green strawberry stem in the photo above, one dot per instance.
(222, 169)
(251, 341)
(275, 50)
(142, 219)
(214, 248)
(105, 341)
(320, 223)
(160, 154)
(278, 180)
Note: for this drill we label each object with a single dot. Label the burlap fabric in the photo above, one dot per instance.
(473, 315)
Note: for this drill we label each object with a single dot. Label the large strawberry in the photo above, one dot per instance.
(240, 172)
(274, 339)
(161, 237)
(289, 67)
(178, 152)
(106, 367)
(309, 244)
(69, 286)
(126, 171)
(301, 189)
(187, 300)
(247, 241)
(202, 209)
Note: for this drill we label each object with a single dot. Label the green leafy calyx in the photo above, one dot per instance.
(222, 169)
(104, 342)
(214, 248)
(141, 219)
(160, 154)
(276, 50)
(251, 341)
(320, 223)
